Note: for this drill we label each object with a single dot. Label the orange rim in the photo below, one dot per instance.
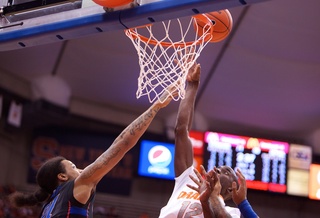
(201, 17)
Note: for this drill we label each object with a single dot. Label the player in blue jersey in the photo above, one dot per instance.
(68, 191)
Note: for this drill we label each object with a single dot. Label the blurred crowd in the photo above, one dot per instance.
(7, 211)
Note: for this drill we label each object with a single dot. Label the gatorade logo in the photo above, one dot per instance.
(159, 156)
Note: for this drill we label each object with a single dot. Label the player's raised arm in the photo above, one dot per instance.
(69, 191)
(93, 173)
(183, 146)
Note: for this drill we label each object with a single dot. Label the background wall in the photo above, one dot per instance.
(147, 195)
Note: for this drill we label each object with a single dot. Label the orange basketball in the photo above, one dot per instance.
(112, 3)
(221, 23)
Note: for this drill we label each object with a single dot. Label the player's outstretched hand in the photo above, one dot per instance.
(167, 96)
(203, 187)
(207, 183)
(188, 56)
(240, 194)
(194, 73)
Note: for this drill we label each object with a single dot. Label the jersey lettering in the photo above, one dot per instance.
(194, 209)
(189, 195)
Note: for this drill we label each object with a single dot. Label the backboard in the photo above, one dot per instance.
(66, 20)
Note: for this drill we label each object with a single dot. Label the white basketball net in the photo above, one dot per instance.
(166, 57)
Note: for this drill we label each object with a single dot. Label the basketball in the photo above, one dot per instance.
(221, 21)
(112, 3)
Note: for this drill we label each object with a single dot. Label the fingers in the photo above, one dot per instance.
(215, 169)
(241, 177)
(208, 185)
(203, 171)
(195, 180)
(217, 186)
(215, 175)
(234, 188)
(171, 92)
(239, 174)
(211, 173)
(211, 181)
(238, 195)
(209, 178)
(203, 177)
(197, 67)
(193, 187)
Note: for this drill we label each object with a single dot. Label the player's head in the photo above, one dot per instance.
(52, 173)
(47, 174)
(55, 171)
(227, 176)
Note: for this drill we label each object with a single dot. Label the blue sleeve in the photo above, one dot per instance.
(246, 210)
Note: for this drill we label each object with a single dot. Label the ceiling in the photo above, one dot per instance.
(263, 80)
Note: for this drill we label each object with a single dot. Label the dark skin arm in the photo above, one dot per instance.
(183, 146)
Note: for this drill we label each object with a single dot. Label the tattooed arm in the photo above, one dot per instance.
(92, 174)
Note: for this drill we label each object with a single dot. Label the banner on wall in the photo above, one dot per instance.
(15, 114)
(299, 160)
(314, 182)
(300, 156)
(82, 148)
(298, 182)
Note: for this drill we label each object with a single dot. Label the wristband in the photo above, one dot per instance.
(246, 209)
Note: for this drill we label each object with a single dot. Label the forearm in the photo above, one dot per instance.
(207, 213)
(217, 208)
(246, 210)
(122, 144)
(130, 135)
(186, 108)
(183, 145)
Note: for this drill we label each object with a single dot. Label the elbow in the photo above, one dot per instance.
(181, 130)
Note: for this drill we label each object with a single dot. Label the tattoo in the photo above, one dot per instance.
(156, 109)
(121, 136)
(102, 161)
(141, 122)
(122, 141)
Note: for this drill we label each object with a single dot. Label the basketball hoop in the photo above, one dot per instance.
(166, 51)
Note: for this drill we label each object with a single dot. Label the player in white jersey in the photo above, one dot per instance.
(209, 188)
(184, 202)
